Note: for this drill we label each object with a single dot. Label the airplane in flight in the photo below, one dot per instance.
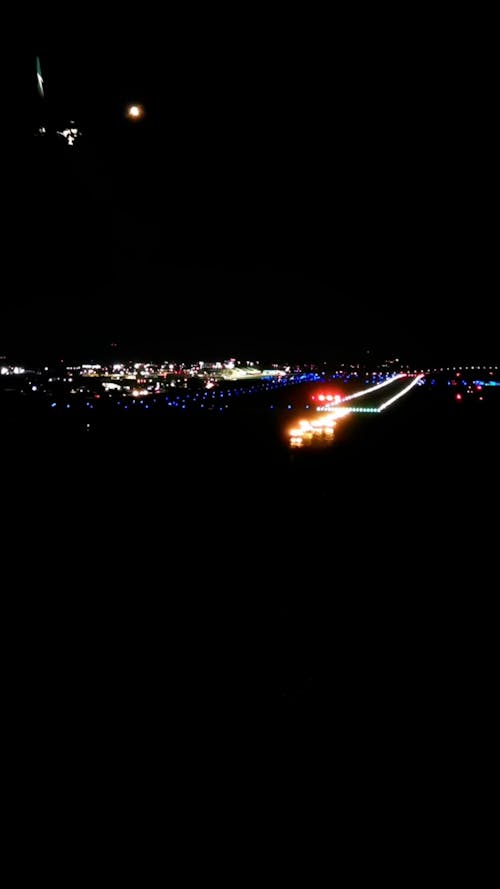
(70, 132)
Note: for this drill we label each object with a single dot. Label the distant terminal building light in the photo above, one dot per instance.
(8, 370)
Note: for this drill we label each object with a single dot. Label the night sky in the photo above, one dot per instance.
(313, 191)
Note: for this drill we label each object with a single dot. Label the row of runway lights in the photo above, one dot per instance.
(477, 383)
(461, 368)
(198, 400)
(334, 411)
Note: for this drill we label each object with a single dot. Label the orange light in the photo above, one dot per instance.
(134, 112)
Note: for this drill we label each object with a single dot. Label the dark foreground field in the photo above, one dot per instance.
(184, 570)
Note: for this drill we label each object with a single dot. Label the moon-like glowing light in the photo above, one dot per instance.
(135, 112)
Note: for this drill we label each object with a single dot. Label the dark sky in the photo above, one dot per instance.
(310, 189)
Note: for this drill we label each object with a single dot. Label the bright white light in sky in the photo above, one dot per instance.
(134, 111)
